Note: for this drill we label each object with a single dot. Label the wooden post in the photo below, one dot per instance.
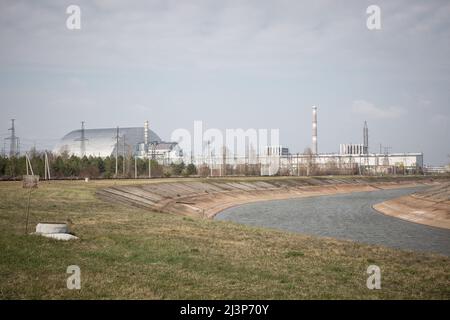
(28, 211)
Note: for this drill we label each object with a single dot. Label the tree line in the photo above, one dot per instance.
(67, 166)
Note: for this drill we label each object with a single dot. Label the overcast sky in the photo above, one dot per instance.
(231, 64)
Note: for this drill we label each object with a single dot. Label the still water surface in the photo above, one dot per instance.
(345, 216)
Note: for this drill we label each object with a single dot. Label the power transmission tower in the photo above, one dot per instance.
(386, 156)
(82, 140)
(14, 141)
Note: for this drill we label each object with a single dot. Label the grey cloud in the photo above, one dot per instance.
(269, 61)
(372, 111)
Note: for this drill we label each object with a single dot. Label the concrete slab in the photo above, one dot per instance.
(59, 236)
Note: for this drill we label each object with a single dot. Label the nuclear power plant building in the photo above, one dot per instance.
(135, 141)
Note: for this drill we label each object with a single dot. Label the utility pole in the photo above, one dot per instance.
(46, 167)
(83, 139)
(117, 151)
(209, 159)
(135, 167)
(223, 171)
(28, 164)
(149, 168)
(123, 154)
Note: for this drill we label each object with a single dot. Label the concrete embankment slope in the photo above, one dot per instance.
(430, 207)
(207, 197)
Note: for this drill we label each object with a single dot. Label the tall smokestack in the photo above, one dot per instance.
(366, 138)
(314, 130)
(146, 133)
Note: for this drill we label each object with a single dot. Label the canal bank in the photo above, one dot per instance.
(207, 197)
(344, 216)
(430, 207)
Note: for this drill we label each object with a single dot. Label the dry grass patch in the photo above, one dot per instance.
(135, 254)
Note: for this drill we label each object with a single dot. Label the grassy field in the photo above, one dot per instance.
(129, 253)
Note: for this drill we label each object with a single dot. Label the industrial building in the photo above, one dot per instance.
(352, 158)
(143, 143)
(373, 163)
(136, 141)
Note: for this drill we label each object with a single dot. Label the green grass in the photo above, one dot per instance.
(130, 253)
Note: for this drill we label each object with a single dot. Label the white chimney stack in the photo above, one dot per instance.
(146, 132)
(314, 130)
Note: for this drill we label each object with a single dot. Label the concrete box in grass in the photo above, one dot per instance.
(30, 181)
(52, 227)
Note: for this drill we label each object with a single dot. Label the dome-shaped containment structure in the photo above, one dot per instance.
(103, 142)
